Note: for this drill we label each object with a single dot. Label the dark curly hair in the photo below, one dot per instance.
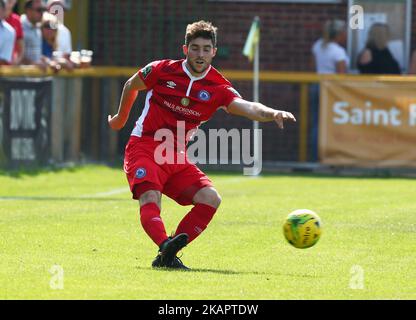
(201, 29)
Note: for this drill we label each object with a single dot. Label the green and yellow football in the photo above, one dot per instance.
(302, 228)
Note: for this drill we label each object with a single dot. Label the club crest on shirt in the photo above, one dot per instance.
(141, 173)
(146, 71)
(204, 95)
(185, 102)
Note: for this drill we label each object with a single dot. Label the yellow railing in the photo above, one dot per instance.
(301, 78)
(237, 75)
(308, 77)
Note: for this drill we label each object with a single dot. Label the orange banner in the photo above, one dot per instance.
(367, 124)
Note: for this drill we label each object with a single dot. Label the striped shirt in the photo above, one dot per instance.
(33, 40)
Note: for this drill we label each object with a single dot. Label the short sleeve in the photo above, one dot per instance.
(151, 73)
(340, 55)
(228, 94)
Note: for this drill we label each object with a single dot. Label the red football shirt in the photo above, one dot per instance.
(14, 21)
(174, 94)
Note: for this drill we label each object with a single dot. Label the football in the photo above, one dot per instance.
(302, 228)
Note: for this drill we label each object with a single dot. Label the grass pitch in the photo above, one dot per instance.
(84, 221)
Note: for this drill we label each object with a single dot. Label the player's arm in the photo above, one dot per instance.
(129, 95)
(259, 112)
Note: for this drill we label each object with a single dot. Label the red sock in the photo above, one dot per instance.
(152, 223)
(196, 221)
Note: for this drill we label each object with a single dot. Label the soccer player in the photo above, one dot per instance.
(179, 93)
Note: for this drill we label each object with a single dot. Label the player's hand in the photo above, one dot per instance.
(281, 116)
(116, 122)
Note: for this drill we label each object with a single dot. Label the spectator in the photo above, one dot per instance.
(329, 53)
(49, 35)
(14, 20)
(7, 37)
(376, 58)
(64, 41)
(32, 33)
(329, 56)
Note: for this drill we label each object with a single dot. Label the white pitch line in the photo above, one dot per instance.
(111, 192)
(11, 198)
(95, 195)
(108, 193)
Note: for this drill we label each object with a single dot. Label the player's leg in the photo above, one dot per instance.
(146, 180)
(151, 221)
(188, 186)
(206, 202)
(150, 204)
(191, 186)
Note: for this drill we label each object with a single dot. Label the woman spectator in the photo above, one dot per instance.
(49, 35)
(50, 47)
(329, 56)
(329, 53)
(376, 58)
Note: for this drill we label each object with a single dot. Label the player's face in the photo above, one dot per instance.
(199, 54)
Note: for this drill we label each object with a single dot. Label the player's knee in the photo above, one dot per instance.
(150, 197)
(209, 196)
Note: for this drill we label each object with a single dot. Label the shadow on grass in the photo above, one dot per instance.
(232, 272)
(337, 173)
(218, 271)
(21, 172)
